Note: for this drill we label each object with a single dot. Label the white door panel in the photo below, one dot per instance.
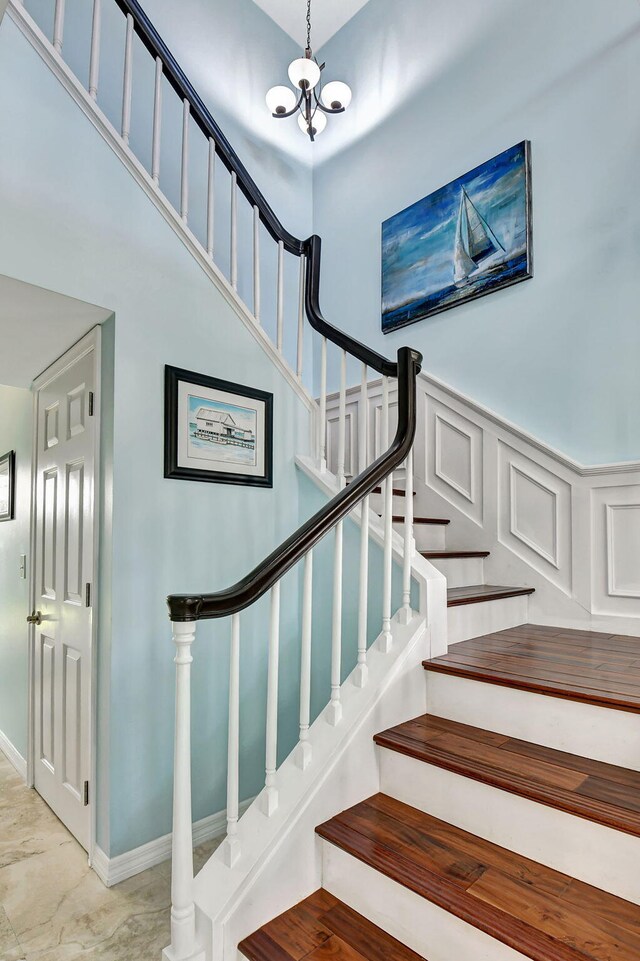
(64, 557)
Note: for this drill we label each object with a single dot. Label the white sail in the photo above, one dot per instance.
(475, 241)
(462, 262)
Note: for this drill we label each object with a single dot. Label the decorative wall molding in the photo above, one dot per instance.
(13, 755)
(546, 519)
(113, 870)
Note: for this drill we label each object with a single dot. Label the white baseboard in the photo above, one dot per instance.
(113, 870)
(13, 754)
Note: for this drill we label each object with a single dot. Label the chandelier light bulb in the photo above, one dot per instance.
(336, 95)
(281, 100)
(318, 123)
(304, 73)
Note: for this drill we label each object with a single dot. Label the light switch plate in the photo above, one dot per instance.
(22, 569)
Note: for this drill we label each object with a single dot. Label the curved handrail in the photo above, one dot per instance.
(195, 607)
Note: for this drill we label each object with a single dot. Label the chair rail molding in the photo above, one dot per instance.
(570, 530)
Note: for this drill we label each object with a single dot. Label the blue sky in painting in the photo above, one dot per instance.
(418, 243)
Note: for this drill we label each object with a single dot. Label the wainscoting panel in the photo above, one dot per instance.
(452, 457)
(616, 534)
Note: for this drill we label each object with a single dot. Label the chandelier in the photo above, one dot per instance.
(309, 99)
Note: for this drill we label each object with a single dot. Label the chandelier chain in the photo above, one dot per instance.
(308, 24)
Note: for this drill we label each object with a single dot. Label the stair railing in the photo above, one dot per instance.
(373, 464)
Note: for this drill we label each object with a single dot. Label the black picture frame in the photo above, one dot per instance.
(8, 469)
(175, 412)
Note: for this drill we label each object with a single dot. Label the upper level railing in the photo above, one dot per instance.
(376, 457)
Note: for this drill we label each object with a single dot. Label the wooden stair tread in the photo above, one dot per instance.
(587, 666)
(322, 927)
(545, 915)
(397, 491)
(434, 555)
(399, 519)
(477, 593)
(593, 790)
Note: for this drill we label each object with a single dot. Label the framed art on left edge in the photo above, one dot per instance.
(8, 486)
(217, 431)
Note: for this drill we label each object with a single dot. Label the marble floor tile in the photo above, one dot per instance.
(53, 907)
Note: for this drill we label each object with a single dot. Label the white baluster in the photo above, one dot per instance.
(232, 842)
(211, 188)
(409, 544)
(94, 59)
(183, 926)
(270, 800)
(256, 264)
(127, 83)
(301, 316)
(342, 421)
(234, 230)
(184, 180)
(303, 753)
(334, 710)
(322, 420)
(361, 672)
(58, 25)
(280, 297)
(157, 123)
(363, 422)
(386, 638)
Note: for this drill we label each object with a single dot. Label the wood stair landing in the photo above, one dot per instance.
(477, 593)
(592, 790)
(442, 555)
(545, 915)
(587, 666)
(322, 927)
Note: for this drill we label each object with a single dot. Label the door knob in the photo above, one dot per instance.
(35, 618)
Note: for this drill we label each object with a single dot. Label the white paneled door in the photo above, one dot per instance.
(63, 585)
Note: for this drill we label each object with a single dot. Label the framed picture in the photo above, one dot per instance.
(8, 486)
(217, 431)
(463, 241)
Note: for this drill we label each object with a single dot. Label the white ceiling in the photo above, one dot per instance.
(327, 17)
(36, 327)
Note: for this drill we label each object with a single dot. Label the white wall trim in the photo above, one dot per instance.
(63, 74)
(114, 870)
(583, 470)
(13, 755)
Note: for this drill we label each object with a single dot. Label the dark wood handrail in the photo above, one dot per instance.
(195, 607)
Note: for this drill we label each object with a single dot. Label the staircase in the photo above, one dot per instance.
(486, 840)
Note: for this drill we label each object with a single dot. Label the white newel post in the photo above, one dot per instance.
(184, 946)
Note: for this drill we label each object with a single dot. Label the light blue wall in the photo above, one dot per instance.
(444, 86)
(15, 434)
(74, 221)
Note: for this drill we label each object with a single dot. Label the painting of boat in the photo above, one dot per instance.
(463, 241)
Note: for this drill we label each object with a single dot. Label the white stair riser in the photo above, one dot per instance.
(460, 571)
(596, 854)
(429, 537)
(425, 928)
(584, 729)
(377, 504)
(474, 620)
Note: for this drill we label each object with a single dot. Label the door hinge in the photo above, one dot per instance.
(90, 403)
(87, 595)
(85, 794)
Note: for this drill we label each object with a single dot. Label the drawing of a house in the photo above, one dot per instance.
(219, 427)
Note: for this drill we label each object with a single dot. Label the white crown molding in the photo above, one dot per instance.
(582, 470)
(89, 107)
(113, 870)
(13, 755)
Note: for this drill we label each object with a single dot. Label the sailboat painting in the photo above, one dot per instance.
(462, 241)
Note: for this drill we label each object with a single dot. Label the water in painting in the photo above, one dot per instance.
(462, 241)
(222, 432)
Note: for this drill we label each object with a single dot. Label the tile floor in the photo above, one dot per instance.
(52, 905)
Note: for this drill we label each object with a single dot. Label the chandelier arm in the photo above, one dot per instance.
(324, 109)
(289, 113)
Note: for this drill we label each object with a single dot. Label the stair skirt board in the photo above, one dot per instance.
(599, 855)
(601, 733)
(474, 620)
(422, 926)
